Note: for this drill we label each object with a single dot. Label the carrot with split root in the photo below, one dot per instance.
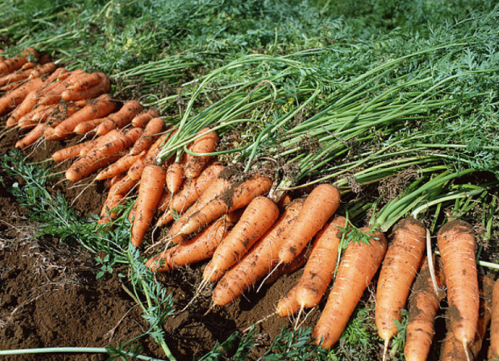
(141, 120)
(357, 267)
(151, 133)
(258, 262)
(319, 206)
(401, 264)
(121, 118)
(258, 217)
(150, 189)
(457, 248)
(205, 144)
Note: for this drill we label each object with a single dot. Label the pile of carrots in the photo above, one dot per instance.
(247, 236)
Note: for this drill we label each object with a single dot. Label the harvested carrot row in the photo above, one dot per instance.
(151, 133)
(123, 117)
(457, 248)
(319, 206)
(258, 262)
(494, 326)
(205, 144)
(121, 165)
(198, 249)
(141, 120)
(17, 62)
(260, 214)
(87, 93)
(174, 177)
(190, 193)
(150, 189)
(401, 264)
(423, 308)
(357, 267)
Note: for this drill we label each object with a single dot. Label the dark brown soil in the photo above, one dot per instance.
(50, 297)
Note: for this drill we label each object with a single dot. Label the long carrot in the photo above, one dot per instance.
(141, 120)
(87, 81)
(17, 62)
(357, 267)
(319, 207)
(88, 126)
(70, 152)
(15, 97)
(121, 165)
(258, 262)
(401, 264)
(150, 189)
(257, 218)
(494, 326)
(135, 171)
(151, 133)
(205, 144)
(121, 118)
(457, 247)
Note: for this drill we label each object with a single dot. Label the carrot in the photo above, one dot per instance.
(234, 198)
(319, 207)
(121, 165)
(88, 165)
(70, 152)
(123, 117)
(88, 126)
(174, 177)
(423, 308)
(457, 247)
(164, 201)
(108, 183)
(141, 120)
(357, 267)
(53, 92)
(288, 305)
(17, 62)
(151, 133)
(320, 266)
(31, 137)
(190, 193)
(37, 115)
(135, 171)
(197, 249)
(258, 262)
(47, 68)
(205, 144)
(258, 217)
(109, 211)
(401, 264)
(494, 326)
(29, 74)
(87, 93)
(88, 81)
(16, 97)
(102, 106)
(288, 268)
(150, 189)
(123, 186)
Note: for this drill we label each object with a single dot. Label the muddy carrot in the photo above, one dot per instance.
(151, 133)
(141, 120)
(121, 118)
(205, 144)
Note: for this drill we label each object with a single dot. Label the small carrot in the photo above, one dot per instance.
(121, 165)
(108, 183)
(197, 249)
(118, 120)
(53, 92)
(109, 211)
(37, 115)
(32, 136)
(174, 177)
(87, 93)
(260, 214)
(150, 189)
(141, 120)
(319, 207)
(70, 152)
(494, 326)
(357, 267)
(88, 165)
(258, 262)
(457, 248)
(205, 144)
(151, 133)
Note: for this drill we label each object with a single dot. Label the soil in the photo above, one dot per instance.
(50, 296)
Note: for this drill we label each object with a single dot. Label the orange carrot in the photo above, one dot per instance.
(121, 165)
(164, 201)
(70, 152)
(109, 211)
(258, 262)
(319, 207)
(122, 142)
(197, 249)
(174, 177)
(423, 308)
(87, 93)
(31, 137)
(399, 270)
(52, 93)
(88, 126)
(236, 197)
(135, 171)
(47, 68)
(141, 120)
(123, 117)
(288, 305)
(88, 81)
(150, 189)
(258, 217)
(37, 115)
(151, 133)
(494, 326)
(457, 247)
(190, 193)
(108, 183)
(205, 144)
(15, 97)
(17, 62)
(88, 165)
(357, 267)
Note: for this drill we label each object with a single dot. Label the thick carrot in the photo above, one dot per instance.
(135, 171)
(457, 247)
(88, 126)
(357, 267)
(37, 115)
(70, 152)
(31, 137)
(174, 177)
(88, 165)
(257, 218)
(401, 264)
(423, 308)
(319, 206)
(235, 197)
(87, 93)
(151, 133)
(197, 249)
(141, 120)
(121, 165)
(494, 326)
(88, 81)
(258, 262)
(320, 266)
(205, 144)
(16, 97)
(122, 142)
(190, 193)
(102, 106)
(17, 62)
(121, 118)
(53, 93)
(150, 189)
